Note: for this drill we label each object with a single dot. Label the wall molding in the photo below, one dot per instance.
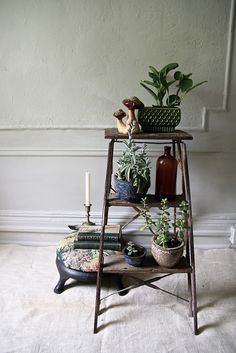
(228, 65)
(47, 228)
(93, 152)
(205, 110)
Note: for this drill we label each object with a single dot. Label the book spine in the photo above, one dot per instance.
(97, 237)
(96, 244)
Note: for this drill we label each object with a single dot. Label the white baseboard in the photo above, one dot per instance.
(233, 236)
(47, 228)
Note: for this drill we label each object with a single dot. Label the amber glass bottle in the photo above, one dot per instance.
(166, 172)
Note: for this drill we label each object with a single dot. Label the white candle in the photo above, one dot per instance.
(87, 189)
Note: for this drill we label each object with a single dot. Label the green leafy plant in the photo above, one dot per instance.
(162, 85)
(131, 249)
(166, 233)
(133, 166)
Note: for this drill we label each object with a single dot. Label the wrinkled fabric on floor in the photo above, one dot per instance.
(36, 320)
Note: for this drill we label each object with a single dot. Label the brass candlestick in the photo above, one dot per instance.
(88, 222)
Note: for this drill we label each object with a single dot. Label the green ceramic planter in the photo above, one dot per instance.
(159, 119)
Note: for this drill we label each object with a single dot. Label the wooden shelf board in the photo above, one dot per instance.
(177, 135)
(113, 200)
(117, 264)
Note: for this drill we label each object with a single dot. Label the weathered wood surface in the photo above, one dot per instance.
(117, 264)
(177, 135)
(113, 200)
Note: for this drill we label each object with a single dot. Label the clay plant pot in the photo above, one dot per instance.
(126, 191)
(135, 260)
(167, 257)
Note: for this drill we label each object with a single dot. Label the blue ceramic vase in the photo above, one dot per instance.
(126, 191)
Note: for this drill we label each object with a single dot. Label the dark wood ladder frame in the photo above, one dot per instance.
(115, 264)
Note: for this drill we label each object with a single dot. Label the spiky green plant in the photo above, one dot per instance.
(162, 85)
(133, 166)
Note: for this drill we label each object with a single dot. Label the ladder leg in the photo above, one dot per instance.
(192, 280)
(97, 303)
(194, 296)
(104, 222)
(190, 295)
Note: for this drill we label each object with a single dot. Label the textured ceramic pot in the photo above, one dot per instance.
(126, 191)
(167, 257)
(159, 119)
(135, 260)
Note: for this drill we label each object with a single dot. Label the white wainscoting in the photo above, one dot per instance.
(42, 191)
(47, 228)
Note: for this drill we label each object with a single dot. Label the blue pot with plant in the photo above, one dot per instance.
(134, 254)
(132, 179)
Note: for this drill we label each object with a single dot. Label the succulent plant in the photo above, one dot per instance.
(132, 249)
(161, 228)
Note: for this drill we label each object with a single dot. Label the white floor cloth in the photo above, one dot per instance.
(33, 319)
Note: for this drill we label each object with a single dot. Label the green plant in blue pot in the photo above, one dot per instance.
(134, 254)
(132, 179)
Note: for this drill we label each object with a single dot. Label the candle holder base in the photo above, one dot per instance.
(88, 222)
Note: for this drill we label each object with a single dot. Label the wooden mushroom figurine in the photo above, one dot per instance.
(121, 126)
(132, 104)
(131, 124)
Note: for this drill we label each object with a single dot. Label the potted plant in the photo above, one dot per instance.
(168, 236)
(132, 179)
(168, 93)
(134, 254)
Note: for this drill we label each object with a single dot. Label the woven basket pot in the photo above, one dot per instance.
(159, 119)
(126, 191)
(167, 257)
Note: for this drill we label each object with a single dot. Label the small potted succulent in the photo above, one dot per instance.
(168, 93)
(168, 236)
(134, 254)
(132, 179)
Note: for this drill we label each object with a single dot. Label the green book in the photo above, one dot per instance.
(107, 245)
(92, 233)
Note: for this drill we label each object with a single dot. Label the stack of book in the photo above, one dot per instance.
(88, 237)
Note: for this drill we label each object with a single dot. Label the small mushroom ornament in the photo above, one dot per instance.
(131, 124)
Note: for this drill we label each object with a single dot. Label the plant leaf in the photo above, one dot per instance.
(154, 77)
(188, 75)
(155, 84)
(185, 84)
(173, 100)
(197, 84)
(178, 75)
(154, 70)
(150, 91)
(161, 95)
(163, 80)
(168, 68)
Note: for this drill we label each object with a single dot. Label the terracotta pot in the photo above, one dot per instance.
(167, 257)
